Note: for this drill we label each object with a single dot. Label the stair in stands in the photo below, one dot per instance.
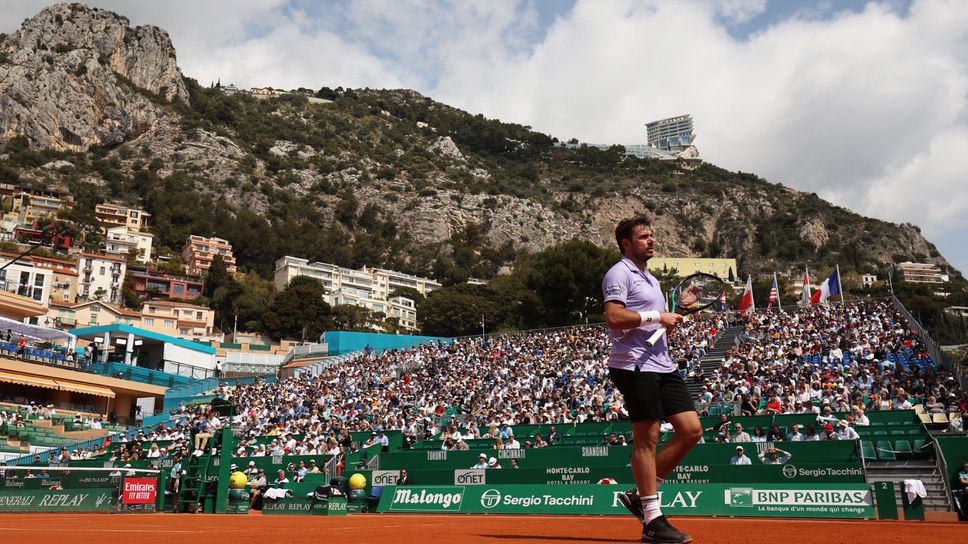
(714, 357)
(926, 471)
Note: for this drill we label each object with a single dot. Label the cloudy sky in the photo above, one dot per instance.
(864, 103)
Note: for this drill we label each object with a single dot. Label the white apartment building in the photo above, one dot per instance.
(25, 279)
(121, 240)
(100, 272)
(366, 287)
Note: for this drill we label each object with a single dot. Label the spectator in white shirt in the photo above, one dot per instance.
(795, 435)
(740, 458)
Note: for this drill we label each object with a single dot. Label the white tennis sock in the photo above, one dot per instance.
(650, 507)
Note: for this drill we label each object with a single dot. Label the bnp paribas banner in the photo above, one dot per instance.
(827, 501)
(840, 501)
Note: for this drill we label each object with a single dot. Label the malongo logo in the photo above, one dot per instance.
(428, 499)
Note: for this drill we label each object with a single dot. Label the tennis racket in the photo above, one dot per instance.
(695, 293)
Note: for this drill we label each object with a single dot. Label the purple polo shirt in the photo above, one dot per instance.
(640, 292)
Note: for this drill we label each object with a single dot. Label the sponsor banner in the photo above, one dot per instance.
(792, 472)
(842, 501)
(299, 506)
(827, 453)
(474, 476)
(543, 499)
(139, 491)
(88, 500)
(384, 477)
(839, 501)
(72, 481)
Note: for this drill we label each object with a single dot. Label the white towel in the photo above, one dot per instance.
(914, 488)
(274, 493)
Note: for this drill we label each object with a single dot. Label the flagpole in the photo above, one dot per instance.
(840, 287)
(779, 296)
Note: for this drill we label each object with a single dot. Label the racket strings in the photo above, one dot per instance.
(699, 292)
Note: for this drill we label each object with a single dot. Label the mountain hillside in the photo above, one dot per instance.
(371, 177)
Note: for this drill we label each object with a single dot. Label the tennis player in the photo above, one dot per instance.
(646, 376)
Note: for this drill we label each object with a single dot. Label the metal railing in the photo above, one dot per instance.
(934, 350)
(45, 456)
(316, 369)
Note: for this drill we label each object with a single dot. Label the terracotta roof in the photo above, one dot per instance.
(103, 257)
(175, 304)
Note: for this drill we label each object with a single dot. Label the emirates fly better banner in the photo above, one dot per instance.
(139, 491)
(827, 501)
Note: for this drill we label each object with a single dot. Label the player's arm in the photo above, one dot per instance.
(617, 316)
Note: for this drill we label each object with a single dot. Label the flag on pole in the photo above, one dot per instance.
(805, 295)
(722, 300)
(774, 293)
(829, 287)
(746, 304)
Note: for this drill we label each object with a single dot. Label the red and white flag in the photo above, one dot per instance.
(805, 295)
(746, 303)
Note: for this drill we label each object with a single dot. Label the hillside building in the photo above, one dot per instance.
(22, 277)
(369, 288)
(100, 277)
(63, 287)
(920, 273)
(116, 215)
(199, 251)
(674, 134)
(686, 266)
(156, 284)
(181, 320)
(121, 241)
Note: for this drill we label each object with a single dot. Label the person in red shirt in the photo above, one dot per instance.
(774, 406)
(22, 346)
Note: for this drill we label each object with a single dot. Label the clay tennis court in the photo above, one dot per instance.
(453, 529)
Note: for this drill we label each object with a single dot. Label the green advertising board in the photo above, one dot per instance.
(802, 501)
(837, 501)
(88, 500)
(70, 481)
(547, 499)
(685, 474)
(335, 506)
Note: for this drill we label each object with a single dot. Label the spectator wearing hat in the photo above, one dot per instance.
(774, 456)
(846, 432)
(492, 463)
(313, 469)
(740, 458)
(257, 485)
(828, 432)
(481, 461)
(251, 470)
(371, 441)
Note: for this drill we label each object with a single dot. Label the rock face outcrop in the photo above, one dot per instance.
(73, 76)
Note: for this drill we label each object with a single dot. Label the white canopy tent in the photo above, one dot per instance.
(36, 333)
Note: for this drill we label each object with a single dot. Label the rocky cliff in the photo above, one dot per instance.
(69, 76)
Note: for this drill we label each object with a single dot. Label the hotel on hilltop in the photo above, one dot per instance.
(366, 287)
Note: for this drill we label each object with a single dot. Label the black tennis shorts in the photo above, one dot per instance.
(652, 396)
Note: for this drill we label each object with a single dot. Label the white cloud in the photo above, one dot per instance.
(740, 11)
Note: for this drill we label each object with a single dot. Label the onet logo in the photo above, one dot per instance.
(790, 471)
(490, 498)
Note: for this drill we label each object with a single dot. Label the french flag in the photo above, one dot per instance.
(829, 287)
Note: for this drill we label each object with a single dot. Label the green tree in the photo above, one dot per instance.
(299, 311)
(457, 310)
(407, 292)
(129, 297)
(218, 276)
(568, 281)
